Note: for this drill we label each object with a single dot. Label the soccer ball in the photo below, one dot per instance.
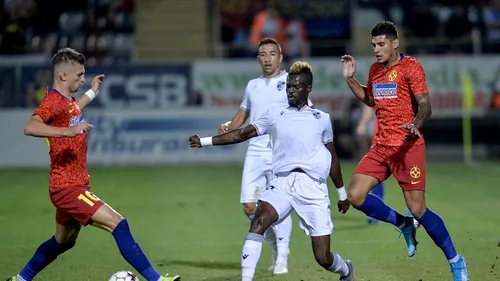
(124, 276)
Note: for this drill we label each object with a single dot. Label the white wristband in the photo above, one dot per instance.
(227, 123)
(90, 94)
(206, 141)
(342, 193)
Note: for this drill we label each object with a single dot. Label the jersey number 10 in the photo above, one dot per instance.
(88, 198)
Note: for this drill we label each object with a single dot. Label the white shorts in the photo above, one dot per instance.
(256, 175)
(308, 197)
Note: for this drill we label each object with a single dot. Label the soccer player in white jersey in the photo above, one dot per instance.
(303, 155)
(260, 94)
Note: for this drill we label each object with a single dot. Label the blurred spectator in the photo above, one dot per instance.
(460, 40)
(346, 130)
(101, 29)
(267, 23)
(16, 20)
(296, 37)
(236, 17)
(38, 88)
(458, 18)
(420, 22)
(491, 18)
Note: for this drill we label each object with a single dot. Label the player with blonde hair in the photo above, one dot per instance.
(260, 94)
(303, 156)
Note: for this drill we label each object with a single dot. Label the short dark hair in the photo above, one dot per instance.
(303, 69)
(386, 28)
(269, 41)
(67, 55)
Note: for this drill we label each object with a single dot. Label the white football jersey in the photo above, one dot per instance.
(261, 94)
(298, 139)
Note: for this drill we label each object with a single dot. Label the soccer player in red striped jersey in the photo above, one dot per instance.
(397, 88)
(59, 119)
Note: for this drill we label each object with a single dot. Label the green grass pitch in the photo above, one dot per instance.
(189, 221)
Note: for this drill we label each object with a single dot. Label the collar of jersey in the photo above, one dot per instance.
(277, 76)
(56, 91)
(401, 57)
(302, 109)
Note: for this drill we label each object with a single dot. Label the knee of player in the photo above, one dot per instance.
(259, 224)
(110, 221)
(114, 221)
(66, 242)
(417, 210)
(355, 197)
(69, 244)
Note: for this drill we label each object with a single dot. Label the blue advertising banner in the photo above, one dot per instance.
(140, 87)
(157, 137)
(128, 137)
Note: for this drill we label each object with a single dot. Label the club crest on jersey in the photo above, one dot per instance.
(316, 114)
(281, 85)
(385, 91)
(393, 75)
(75, 120)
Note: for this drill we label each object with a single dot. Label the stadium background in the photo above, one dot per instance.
(175, 68)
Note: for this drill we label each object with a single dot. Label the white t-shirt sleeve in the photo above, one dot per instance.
(328, 132)
(263, 123)
(245, 104)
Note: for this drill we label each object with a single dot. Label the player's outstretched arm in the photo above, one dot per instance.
(232, 137)
(236, 122)
(360, 91)
(338, 180)
(37, 128)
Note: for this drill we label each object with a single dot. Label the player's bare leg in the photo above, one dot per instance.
(68, 233)
(63, 240)
(435, 227)
(269, 236)
(331, 261)
(372, 206)
(108, 219)
(278, 237)
(265, 216)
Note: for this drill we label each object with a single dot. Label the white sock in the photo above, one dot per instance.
(339, 265)
(455, 259)
(283, 232)
(20, 278)
(250, 255)
(282, 253)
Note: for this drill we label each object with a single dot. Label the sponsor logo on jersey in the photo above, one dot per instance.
(385, 91)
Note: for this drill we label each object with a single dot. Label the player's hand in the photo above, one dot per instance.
(361, 130)
(79, 129)
(223, 128)
(348, 65)
(96, 83)
(413, 131)
(343, 206)
(194, 141)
